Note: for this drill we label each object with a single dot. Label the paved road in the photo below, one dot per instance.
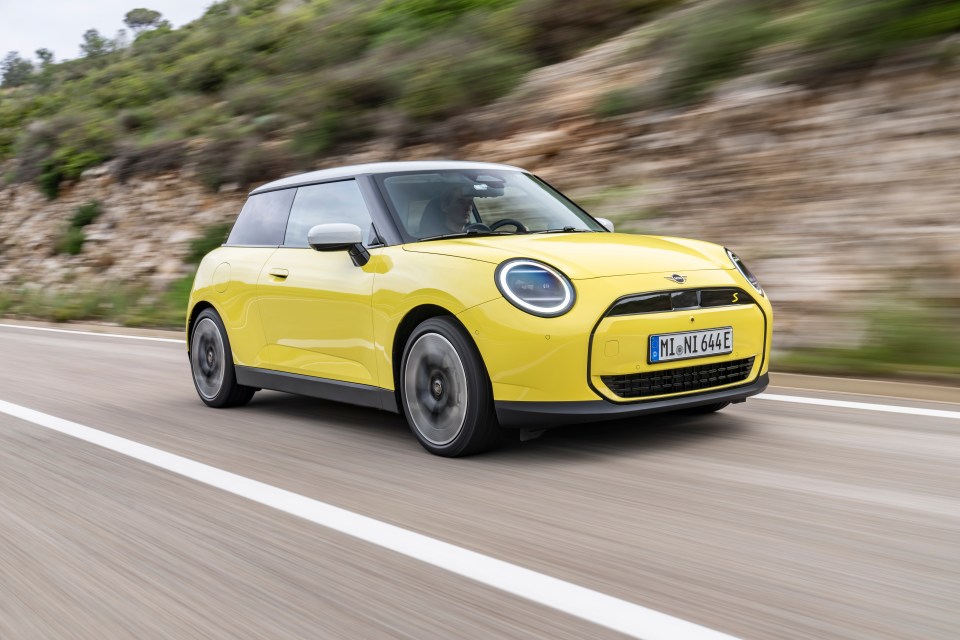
(769, 520)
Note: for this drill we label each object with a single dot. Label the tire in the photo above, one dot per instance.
(445, 392)
(211, 363)
(704, 409)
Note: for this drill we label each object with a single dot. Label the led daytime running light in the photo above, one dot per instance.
(564, 304)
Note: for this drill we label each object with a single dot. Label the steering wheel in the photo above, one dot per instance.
(509, 221)
(477, 226)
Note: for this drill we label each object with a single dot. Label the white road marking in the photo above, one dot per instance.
(91, 333)
(601, 609)
(864, 406)
(823, 402)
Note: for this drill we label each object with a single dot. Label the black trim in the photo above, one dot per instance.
(555, 414)
(323, 388)
(663, 301)
(383, 222)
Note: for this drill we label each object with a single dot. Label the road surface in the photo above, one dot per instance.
(772, 519)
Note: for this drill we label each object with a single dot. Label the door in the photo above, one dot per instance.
(316, 306)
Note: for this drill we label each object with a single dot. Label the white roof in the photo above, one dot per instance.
(378, 167)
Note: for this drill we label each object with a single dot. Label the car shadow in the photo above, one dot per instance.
(629, 436)
(329, 413)
(599, 439)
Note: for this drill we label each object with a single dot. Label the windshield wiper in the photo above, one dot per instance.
(565, 230)
(461, 234)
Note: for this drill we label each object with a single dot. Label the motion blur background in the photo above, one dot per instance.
(820, 139)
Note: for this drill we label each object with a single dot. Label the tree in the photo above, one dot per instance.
(142, 19)
(94, 45)
(16, 70)
(46, 57)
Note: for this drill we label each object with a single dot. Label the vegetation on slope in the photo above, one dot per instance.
(255, 88)
(804, 41)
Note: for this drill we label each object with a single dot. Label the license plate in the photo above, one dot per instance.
(690, 344)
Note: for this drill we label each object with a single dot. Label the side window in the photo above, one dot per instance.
(262, 219)
(323, 203)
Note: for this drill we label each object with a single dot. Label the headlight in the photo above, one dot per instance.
(742, 268)
(535, 288)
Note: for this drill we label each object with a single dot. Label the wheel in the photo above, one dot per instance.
(445, 392)
(211, 363)
(704, 409)
(522, 228)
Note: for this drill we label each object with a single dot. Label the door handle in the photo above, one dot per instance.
(279, 273)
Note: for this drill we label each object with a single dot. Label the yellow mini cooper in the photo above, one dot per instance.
(473, 298)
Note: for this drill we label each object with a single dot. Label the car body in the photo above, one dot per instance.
(510, 308)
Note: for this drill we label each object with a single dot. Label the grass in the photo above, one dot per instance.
(129, 306)
(910, 341)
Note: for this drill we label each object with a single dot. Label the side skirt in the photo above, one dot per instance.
(349, 392)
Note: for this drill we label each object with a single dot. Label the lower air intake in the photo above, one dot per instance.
(657, 383)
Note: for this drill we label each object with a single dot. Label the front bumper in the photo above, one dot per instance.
(553, 414)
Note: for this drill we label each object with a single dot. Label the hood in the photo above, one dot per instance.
(587, 255)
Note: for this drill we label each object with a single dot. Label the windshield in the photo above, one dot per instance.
(436, 204)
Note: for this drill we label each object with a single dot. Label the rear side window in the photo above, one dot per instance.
(262, 219)
(322, 204)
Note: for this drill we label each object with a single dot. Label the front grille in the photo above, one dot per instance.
(656, 383)
(681, 299)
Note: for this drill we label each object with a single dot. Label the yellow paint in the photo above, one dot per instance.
(331, 319)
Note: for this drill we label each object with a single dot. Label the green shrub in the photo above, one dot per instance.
(86, 214)
(712, 43)
(622, 100)
(445, 81)
(210, 239)
(70, 241)
(559, 29)
(843, 33)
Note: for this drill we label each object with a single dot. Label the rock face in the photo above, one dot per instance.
(840, 199)
(142, 236)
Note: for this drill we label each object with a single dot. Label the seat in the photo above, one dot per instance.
(432, 220)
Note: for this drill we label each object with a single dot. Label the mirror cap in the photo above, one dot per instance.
(606, 224)
(334, 236)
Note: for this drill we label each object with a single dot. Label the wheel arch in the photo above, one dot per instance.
(410, 322)
(192, 319)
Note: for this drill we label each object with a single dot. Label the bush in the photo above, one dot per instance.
(842, 33)
(86, 214)
(53, 152)
(559, 29)
(453, 75)
(149, 159)
(713, 43)
(210, 239)
(70, 241)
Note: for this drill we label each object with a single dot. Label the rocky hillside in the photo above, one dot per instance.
(842, 197)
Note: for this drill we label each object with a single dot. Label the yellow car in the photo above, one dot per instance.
(474, 298)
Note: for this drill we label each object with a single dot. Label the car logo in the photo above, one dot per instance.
(679, 279)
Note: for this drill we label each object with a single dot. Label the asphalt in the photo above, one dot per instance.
(768, 520)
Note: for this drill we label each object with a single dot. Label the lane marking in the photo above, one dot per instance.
(91, 333)
(823, 402)
(601, 609)
(864, 406)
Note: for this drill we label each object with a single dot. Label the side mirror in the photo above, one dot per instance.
(606, 224)
(339, 236)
